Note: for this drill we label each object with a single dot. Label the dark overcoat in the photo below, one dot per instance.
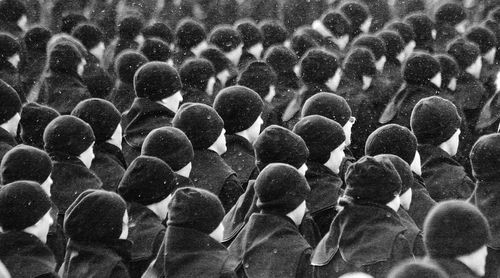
(326, 188)
(71, 177)
(109, 165)
(143, 116)
(368, 238)
(413, 234)
(365, 106)
(25, 256)
(444, 177)
(240, 157)
(122, 95)
(236, 218)
(146, 231)
(92, 259)
(62, 91)
(399, 109)
(190, 253)
(272, 246)
(196, 96)
(212, 173)
(421, 201)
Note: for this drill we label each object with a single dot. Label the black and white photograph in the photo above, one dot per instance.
(249, 138)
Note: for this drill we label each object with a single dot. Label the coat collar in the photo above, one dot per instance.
(407, 91)
(325, 187)
(6, 65)
(348, 235)
(412, 231)
(454, 268)
(182, 181)
(145, 106)
(297, 102)
(119, 247)
(191, 94)
(267, 224)
(269, 246)
(235, 219)
(490, 112)
(144, 228)
(138, 211)
(143, 116)
(210, 171)
(6, 137)
(190, 252)
(25, 255)
(80, 254)
(431, 153)
(418, 183)
(288, 80)
(66, 158)
(112, 150)
(180, 239)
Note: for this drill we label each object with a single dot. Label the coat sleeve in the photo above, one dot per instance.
(157, 244)
(230, 192)
(309, 230)
(401, 249)
(418, 246)
(304, 268)
(467, 189)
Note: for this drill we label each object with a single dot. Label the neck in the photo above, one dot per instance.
(195, 51)
(115, 143)
(94, 53)
(445, 147)
(416, 167)
(254, 53)
(339, 43)
(244, 134)
(185, 171)
(32, 231)
(331, 168)
(269, 97)
(6, 127)
(394, 204)
(472, 72)
(167, 105)
(318, 26)
(470, 260)
(214, 149)
(82, 161)
(294, 218)
(417, 171)
(233, 60)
